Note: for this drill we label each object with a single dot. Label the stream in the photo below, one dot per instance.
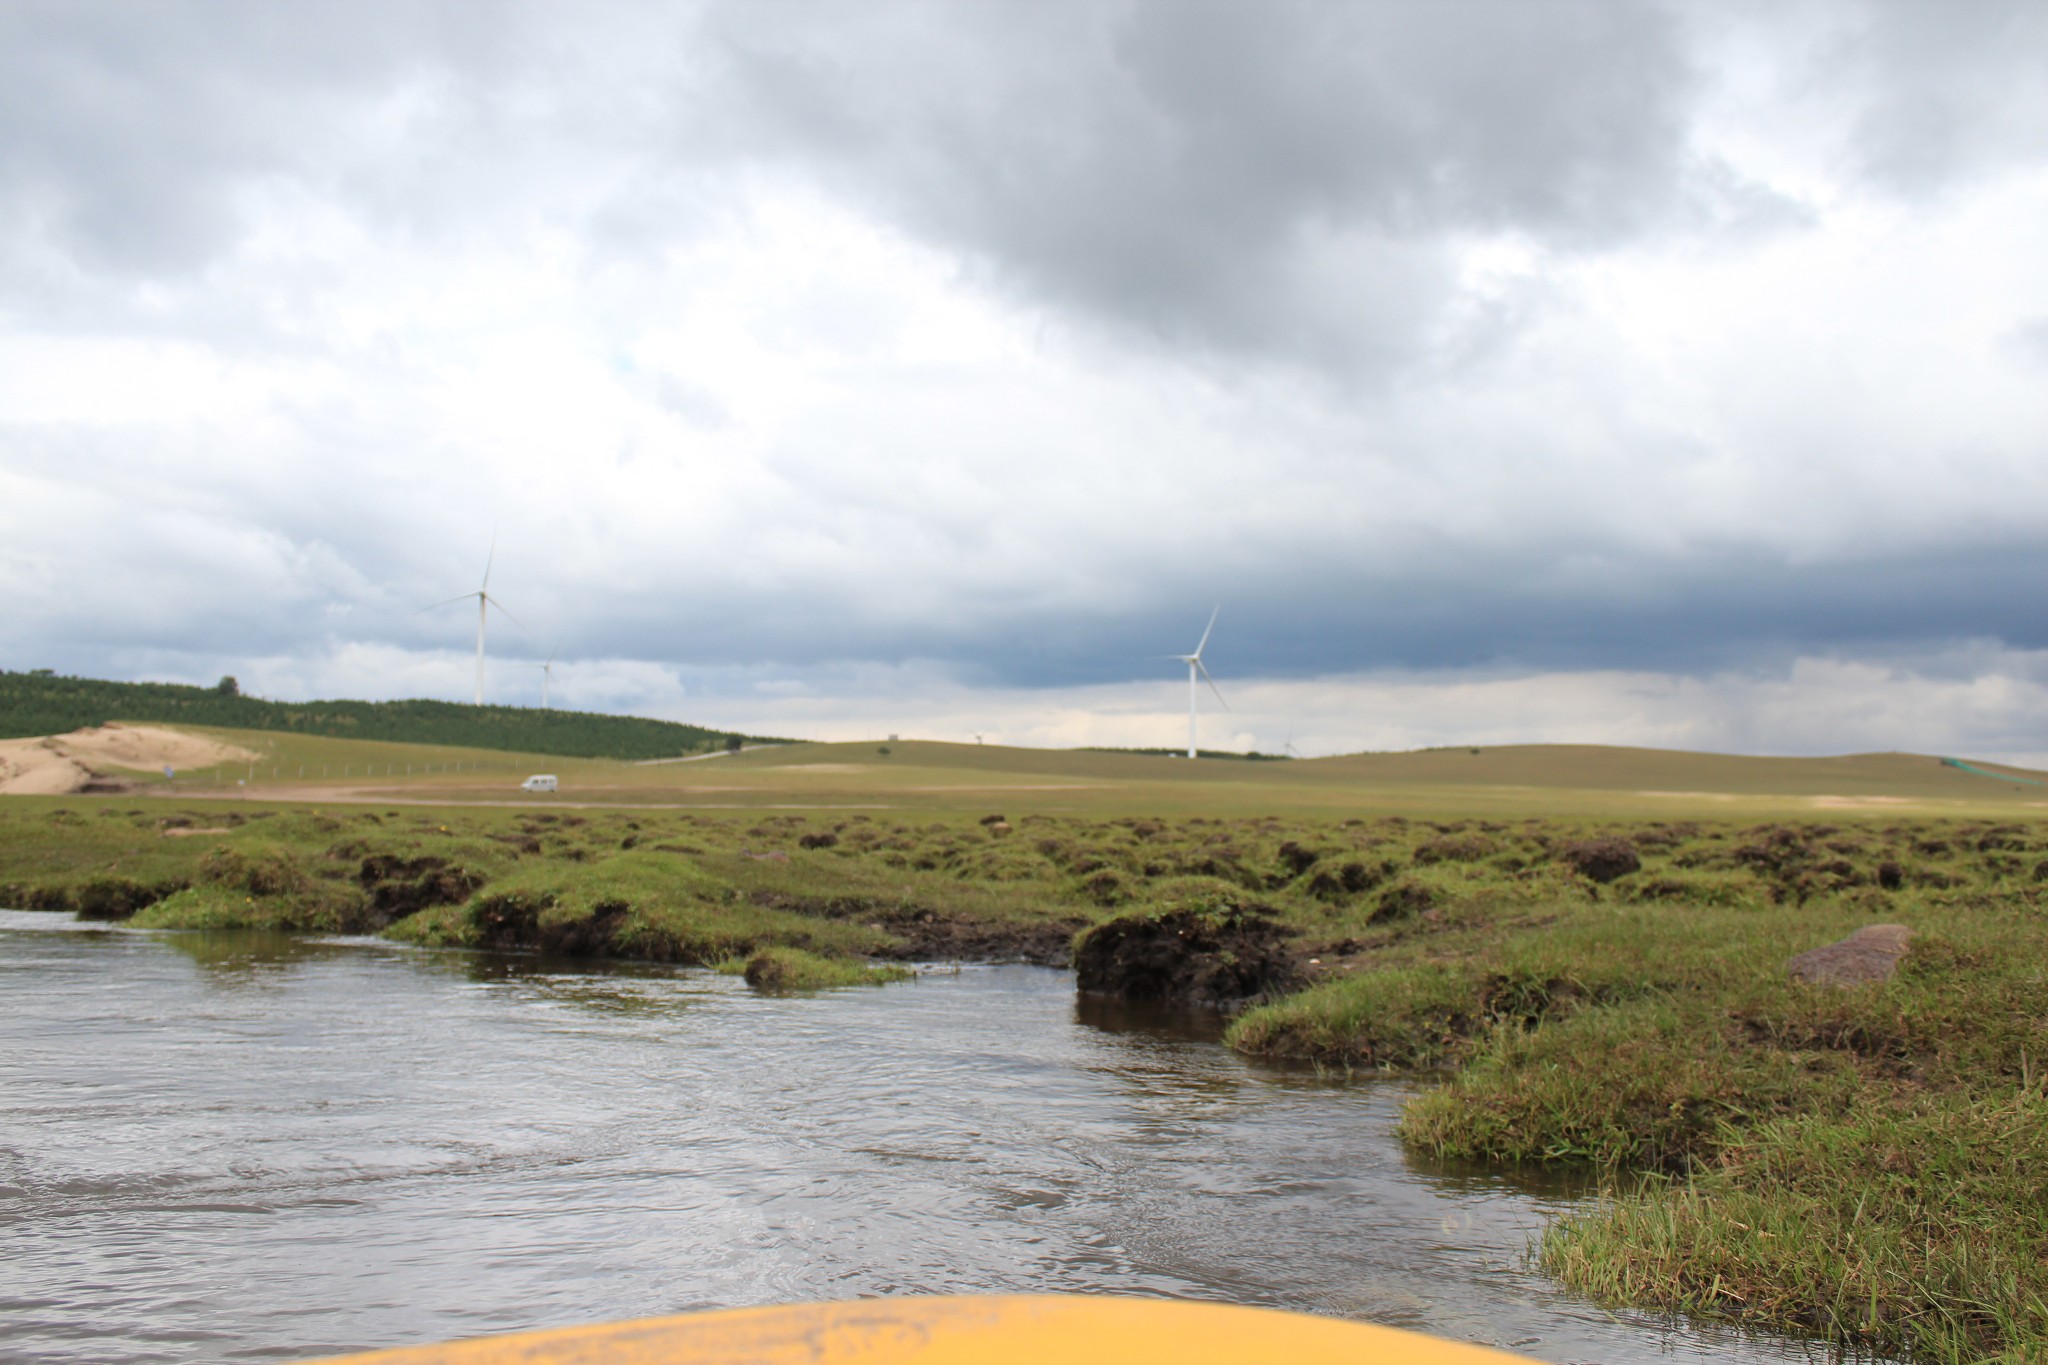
(253, 1147)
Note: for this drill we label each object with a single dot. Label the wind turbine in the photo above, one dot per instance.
(1195, 666)
(484, 602)
(547, 671)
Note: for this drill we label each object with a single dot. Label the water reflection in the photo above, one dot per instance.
(246, 956)
(1149, 1018)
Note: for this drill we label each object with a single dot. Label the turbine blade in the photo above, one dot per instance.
(459, 597)
(502, 612)
(1212, 684)
(1205, 631)
(489, 560)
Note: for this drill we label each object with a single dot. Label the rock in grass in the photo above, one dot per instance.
(1601, 860)
(1872, 953)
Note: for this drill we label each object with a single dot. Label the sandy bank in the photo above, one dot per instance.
(54, 765)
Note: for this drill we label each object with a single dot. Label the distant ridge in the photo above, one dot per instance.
(43, 703)
(1986, 772)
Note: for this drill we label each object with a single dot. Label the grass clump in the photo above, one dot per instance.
(1915, 1231)
(1406, 1018)
(323, 908)
(793, 969)
(258, 885)
(640, 904)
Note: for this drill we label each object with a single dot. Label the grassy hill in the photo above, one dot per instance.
(42, 703)
(1504, 782)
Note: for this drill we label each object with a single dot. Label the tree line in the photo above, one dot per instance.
(41, 702)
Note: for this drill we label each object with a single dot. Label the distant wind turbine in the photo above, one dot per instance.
(547, 673)
(1195, 666)
(484, 602)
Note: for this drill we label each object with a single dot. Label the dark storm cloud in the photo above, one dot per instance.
(1316, 616)
(1268, 180)
(1274, 179)
(1278, 180)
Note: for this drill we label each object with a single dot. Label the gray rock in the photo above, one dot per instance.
(1872, 953)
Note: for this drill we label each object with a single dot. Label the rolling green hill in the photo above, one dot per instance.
(42, 703)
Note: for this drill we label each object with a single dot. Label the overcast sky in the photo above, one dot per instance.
(1533, 370)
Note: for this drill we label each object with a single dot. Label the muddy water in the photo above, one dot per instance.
(229, 1147)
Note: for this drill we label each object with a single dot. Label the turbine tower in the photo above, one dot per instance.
(1195, 667)
(547, 671)
(484, 603)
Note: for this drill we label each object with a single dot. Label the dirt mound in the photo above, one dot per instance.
(1217, 960)
(925, 936)
(1601, 860)
(57, 765)
(34, 767)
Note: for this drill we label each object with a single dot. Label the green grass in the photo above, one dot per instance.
(949, 781)
(780, 970)
(1914, 1230)
(1851, 1162)
(646, 905)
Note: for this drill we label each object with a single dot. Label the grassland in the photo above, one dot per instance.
(1507, 782)
(1587, 946)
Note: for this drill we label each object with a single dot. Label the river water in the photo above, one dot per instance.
(242, 1147)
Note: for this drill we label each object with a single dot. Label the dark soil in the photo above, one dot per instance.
(1601, 860)
(400, 886)
(924, 936)
(1214, 961)
(118, 898)
(1403, 900)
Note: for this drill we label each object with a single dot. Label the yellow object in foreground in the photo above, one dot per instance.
(996, 1330)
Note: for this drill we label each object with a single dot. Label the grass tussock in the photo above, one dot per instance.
(793, 969)
(1917, 1231)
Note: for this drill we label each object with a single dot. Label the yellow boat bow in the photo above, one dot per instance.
(993, 1330)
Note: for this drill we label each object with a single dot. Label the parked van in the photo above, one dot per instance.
(539, 782)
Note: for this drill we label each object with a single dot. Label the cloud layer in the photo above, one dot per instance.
(920, 355)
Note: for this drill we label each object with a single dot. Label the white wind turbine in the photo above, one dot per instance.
(484, 602)
(1195, 666)
(547, 671)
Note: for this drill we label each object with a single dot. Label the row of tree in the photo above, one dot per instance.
(40, 702)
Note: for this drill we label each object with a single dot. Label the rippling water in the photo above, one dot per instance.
(238, 1147)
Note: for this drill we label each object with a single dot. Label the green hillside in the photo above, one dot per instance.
(42, 703)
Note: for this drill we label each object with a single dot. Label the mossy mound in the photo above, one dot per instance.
(792, 969)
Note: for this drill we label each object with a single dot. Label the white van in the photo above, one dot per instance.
(539, 782)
